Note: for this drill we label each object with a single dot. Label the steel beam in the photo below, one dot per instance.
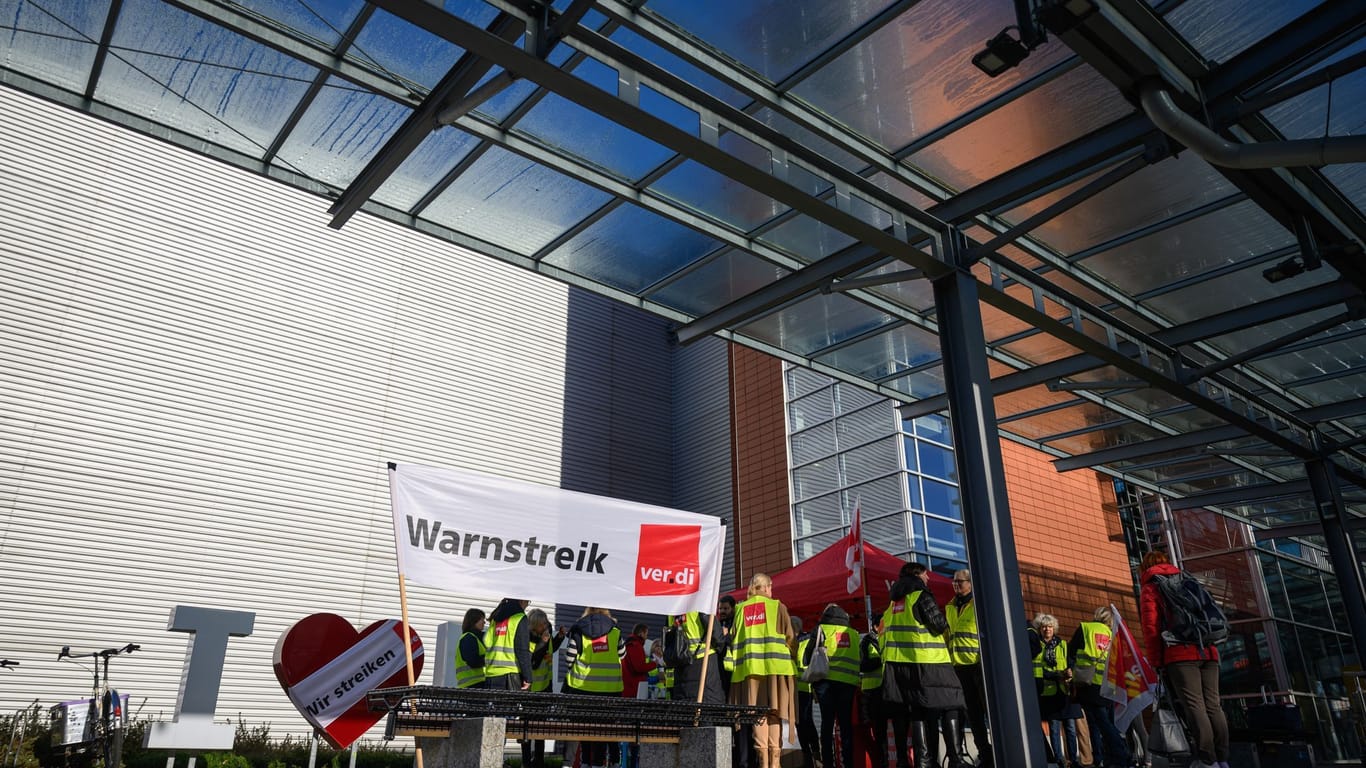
(1247, 316)
(1248, 494)
(1016, 739)
(1323, 478)
(421, 122)
(699, 145)
(1150, 447)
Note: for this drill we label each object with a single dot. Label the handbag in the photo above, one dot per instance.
(1168, 733)
(819, 667)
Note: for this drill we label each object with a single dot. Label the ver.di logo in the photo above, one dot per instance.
(667, 559)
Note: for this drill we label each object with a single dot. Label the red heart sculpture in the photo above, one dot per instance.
(326, 668)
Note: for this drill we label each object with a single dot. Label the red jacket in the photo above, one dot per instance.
(1151, 611)
(635, 668)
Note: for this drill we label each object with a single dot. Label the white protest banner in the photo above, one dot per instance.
(486, 535)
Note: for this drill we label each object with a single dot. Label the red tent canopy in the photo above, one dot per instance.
(822, 579)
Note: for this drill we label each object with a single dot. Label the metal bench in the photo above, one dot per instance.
(430, 711)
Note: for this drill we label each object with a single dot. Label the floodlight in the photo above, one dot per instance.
(1002, 52)
(1284, 271)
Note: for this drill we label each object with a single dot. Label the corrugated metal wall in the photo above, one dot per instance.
(201, 385)
(702, 447)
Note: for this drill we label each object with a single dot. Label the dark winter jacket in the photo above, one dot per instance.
(1151, 611)
(590, 626)
(927, 686)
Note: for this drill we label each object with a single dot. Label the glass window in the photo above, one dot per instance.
(1293, 656)
(1275, 586)
(1304, 588)
(936, 461)
(1245, 660)
(941, 499)
(946, 567)
(913, 489)
(945, 539)
(909, 443)
(934, 427)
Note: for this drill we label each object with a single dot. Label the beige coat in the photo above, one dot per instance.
(777, 692)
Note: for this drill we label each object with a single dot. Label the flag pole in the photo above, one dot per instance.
(862, 564)
(403, 613)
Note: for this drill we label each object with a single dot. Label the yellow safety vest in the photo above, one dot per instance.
(841, 648)
(693, 629)
(597, 668)
(501, 658)
(964, 645)
(872, 679)
(541, 676)
(668, 683)
(1093, 654)
(1050, 687)
(905, 640)
(798, 667)
(760, 646)
(465, 675)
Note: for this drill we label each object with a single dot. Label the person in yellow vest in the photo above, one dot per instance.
(807, 736)
(841, 684)
(469, 653)
(872, 710)
(919, 686)
(507, 663)
(1054, 682)
(761, 645)
(683, 681)
(965, 652)
(593, 654)
(543, 647)
(1087, 657)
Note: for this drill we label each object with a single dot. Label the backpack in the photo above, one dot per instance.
(1192, 616)
(817, 667)
(676, 652)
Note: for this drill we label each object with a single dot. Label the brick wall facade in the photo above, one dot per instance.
(1070, 550)
(763, 517)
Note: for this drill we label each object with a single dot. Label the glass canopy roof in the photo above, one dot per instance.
(790, 174)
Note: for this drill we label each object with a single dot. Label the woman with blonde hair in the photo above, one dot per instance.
(763, 674)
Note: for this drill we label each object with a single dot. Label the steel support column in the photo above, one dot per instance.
(1323, 479)
(1017, 741)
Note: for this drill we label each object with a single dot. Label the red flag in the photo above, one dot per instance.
(1130, 681)
(853, 554)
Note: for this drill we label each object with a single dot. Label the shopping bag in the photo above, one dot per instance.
(1168, 734)
(819, 667)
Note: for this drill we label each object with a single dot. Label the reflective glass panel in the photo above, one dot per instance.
(510, 201)
(178, 70)
(718, 281)
(1206, 23)
(771, 37)
(612, 250)
(897, 349)
(916, 74)
(55, 41)
(818, 322)
(1039, 121)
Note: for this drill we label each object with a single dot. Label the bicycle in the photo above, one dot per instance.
(105, 716)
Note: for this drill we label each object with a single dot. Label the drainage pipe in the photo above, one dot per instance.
(1330, 150)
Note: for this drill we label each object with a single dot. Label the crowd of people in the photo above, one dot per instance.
(916, 676)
